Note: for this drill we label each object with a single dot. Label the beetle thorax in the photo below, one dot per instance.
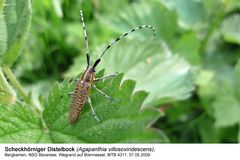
(89, 74)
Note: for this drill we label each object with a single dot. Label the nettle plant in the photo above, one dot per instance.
(157, 75)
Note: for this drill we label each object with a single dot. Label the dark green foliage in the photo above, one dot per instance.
(15, 21)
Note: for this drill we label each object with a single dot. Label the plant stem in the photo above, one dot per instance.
(218, 16)
(7, 94)
(28, 99)
(15, 83)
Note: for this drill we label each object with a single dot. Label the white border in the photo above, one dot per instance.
(162, 151)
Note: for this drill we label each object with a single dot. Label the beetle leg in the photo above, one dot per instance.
(108, 97)
(92, 110)
(70, 93)
(105, 77)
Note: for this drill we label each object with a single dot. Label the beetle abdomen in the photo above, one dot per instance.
(79, 98)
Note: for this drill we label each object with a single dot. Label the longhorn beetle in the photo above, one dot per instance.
(83, 86)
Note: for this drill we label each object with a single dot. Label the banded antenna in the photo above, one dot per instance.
(120, 37)
(85, 37)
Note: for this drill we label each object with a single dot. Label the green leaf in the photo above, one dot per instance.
(137, 14)
(110, 7)
(2, 2)
(239, 134)
(237, 80)
(227, 110)
(15, 22)
(227, 104)
(212, 6)
(151, 64)
(19, 124)
(207, 89)
(231, 29)
(188, 47)
(190, 12)
(57, 7)
(7, 94)
(3, 33)
(231, 5)
(121, 120)
(209, 133)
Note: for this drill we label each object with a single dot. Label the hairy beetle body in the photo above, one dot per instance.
(80, 94)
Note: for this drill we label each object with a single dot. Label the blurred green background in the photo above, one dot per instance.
(193, 75)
